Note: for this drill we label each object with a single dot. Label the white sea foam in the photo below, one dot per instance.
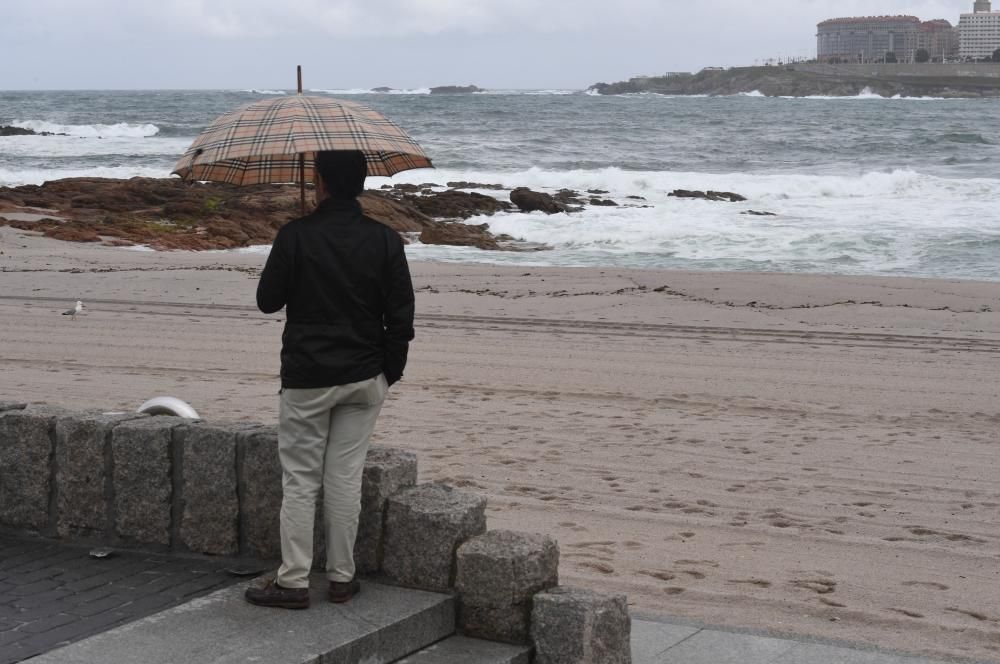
(265, 92)
(78, 146)
(558, 93)
(877, 222)
(121, 129)
(368, 91)
(866, 94)
(38, 176)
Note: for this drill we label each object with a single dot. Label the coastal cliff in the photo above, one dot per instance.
(800, 80)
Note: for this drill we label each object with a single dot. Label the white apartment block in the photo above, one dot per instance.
(979, 32)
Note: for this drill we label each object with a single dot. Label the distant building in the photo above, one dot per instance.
(868, 38)
(940, 39)
(979, 32)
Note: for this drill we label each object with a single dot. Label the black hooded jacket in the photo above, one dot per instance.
(345, 282)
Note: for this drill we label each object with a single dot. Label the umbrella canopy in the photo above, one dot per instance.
(262, 143)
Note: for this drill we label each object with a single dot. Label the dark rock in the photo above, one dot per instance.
(424, 527)
(475, 185)
(382, 88)
(756, 213)
(603, 202)
(725, 196)
(455, 90)
(597, 192)
(708, 195)
(462, 235)
(635, 198)
(568, 196)
(397, 215)
(19, 131)
(457, 204)
(531, 201)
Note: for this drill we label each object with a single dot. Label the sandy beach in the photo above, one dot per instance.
(807, 455)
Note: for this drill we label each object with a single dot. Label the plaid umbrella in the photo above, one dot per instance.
(265, 142)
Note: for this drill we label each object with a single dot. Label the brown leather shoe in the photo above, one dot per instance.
(275, 596)
(341, 591)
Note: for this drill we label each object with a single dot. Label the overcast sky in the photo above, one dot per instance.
(144, 44)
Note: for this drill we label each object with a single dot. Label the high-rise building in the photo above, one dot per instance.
(979, 32)
(868, 39)
(940, 39)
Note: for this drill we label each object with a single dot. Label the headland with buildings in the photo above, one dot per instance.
(886, 55)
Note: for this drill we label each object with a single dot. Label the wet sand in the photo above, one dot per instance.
(808, 455)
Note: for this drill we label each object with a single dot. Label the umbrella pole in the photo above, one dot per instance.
(302, 161)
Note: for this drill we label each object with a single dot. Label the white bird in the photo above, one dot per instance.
(75, 310)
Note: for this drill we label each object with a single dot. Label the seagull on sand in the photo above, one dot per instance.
(75, 310)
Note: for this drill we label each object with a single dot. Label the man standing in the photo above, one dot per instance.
(345, 282)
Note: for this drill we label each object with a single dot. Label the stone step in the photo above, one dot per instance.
(463, 650)
(381, 624)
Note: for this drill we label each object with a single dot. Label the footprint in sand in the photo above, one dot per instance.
(926, 584)
(830, 602)
(820, 586)
(982, 617)
(907, 613)
(759, 583)
(599, 567)
(659, 574)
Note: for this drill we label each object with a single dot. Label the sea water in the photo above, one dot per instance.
(860, 185)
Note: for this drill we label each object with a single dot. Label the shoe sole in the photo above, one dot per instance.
(342, 599)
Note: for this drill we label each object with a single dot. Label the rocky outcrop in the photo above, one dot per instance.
(455, 90)
(461, 235)
(456, 204)
(6, 130)
(708, 195)
(170, 214)
(167, 213)
(797, 81)
(533, 201)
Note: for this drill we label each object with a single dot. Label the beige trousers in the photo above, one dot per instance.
(323, 439)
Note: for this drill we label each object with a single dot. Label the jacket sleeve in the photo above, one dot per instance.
(275, 280)
(399, 310)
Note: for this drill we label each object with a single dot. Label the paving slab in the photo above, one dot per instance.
(652, 639)
(464, 650)
(381, 624)
(663, 642)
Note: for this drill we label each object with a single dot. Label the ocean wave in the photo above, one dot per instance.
(965, 138)
(370, 91)
(122, 129)
(11, 178)
(557, 93)
(866, 94)
(655, 185)
(255, 91)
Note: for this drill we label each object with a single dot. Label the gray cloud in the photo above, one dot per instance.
(405, 43)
